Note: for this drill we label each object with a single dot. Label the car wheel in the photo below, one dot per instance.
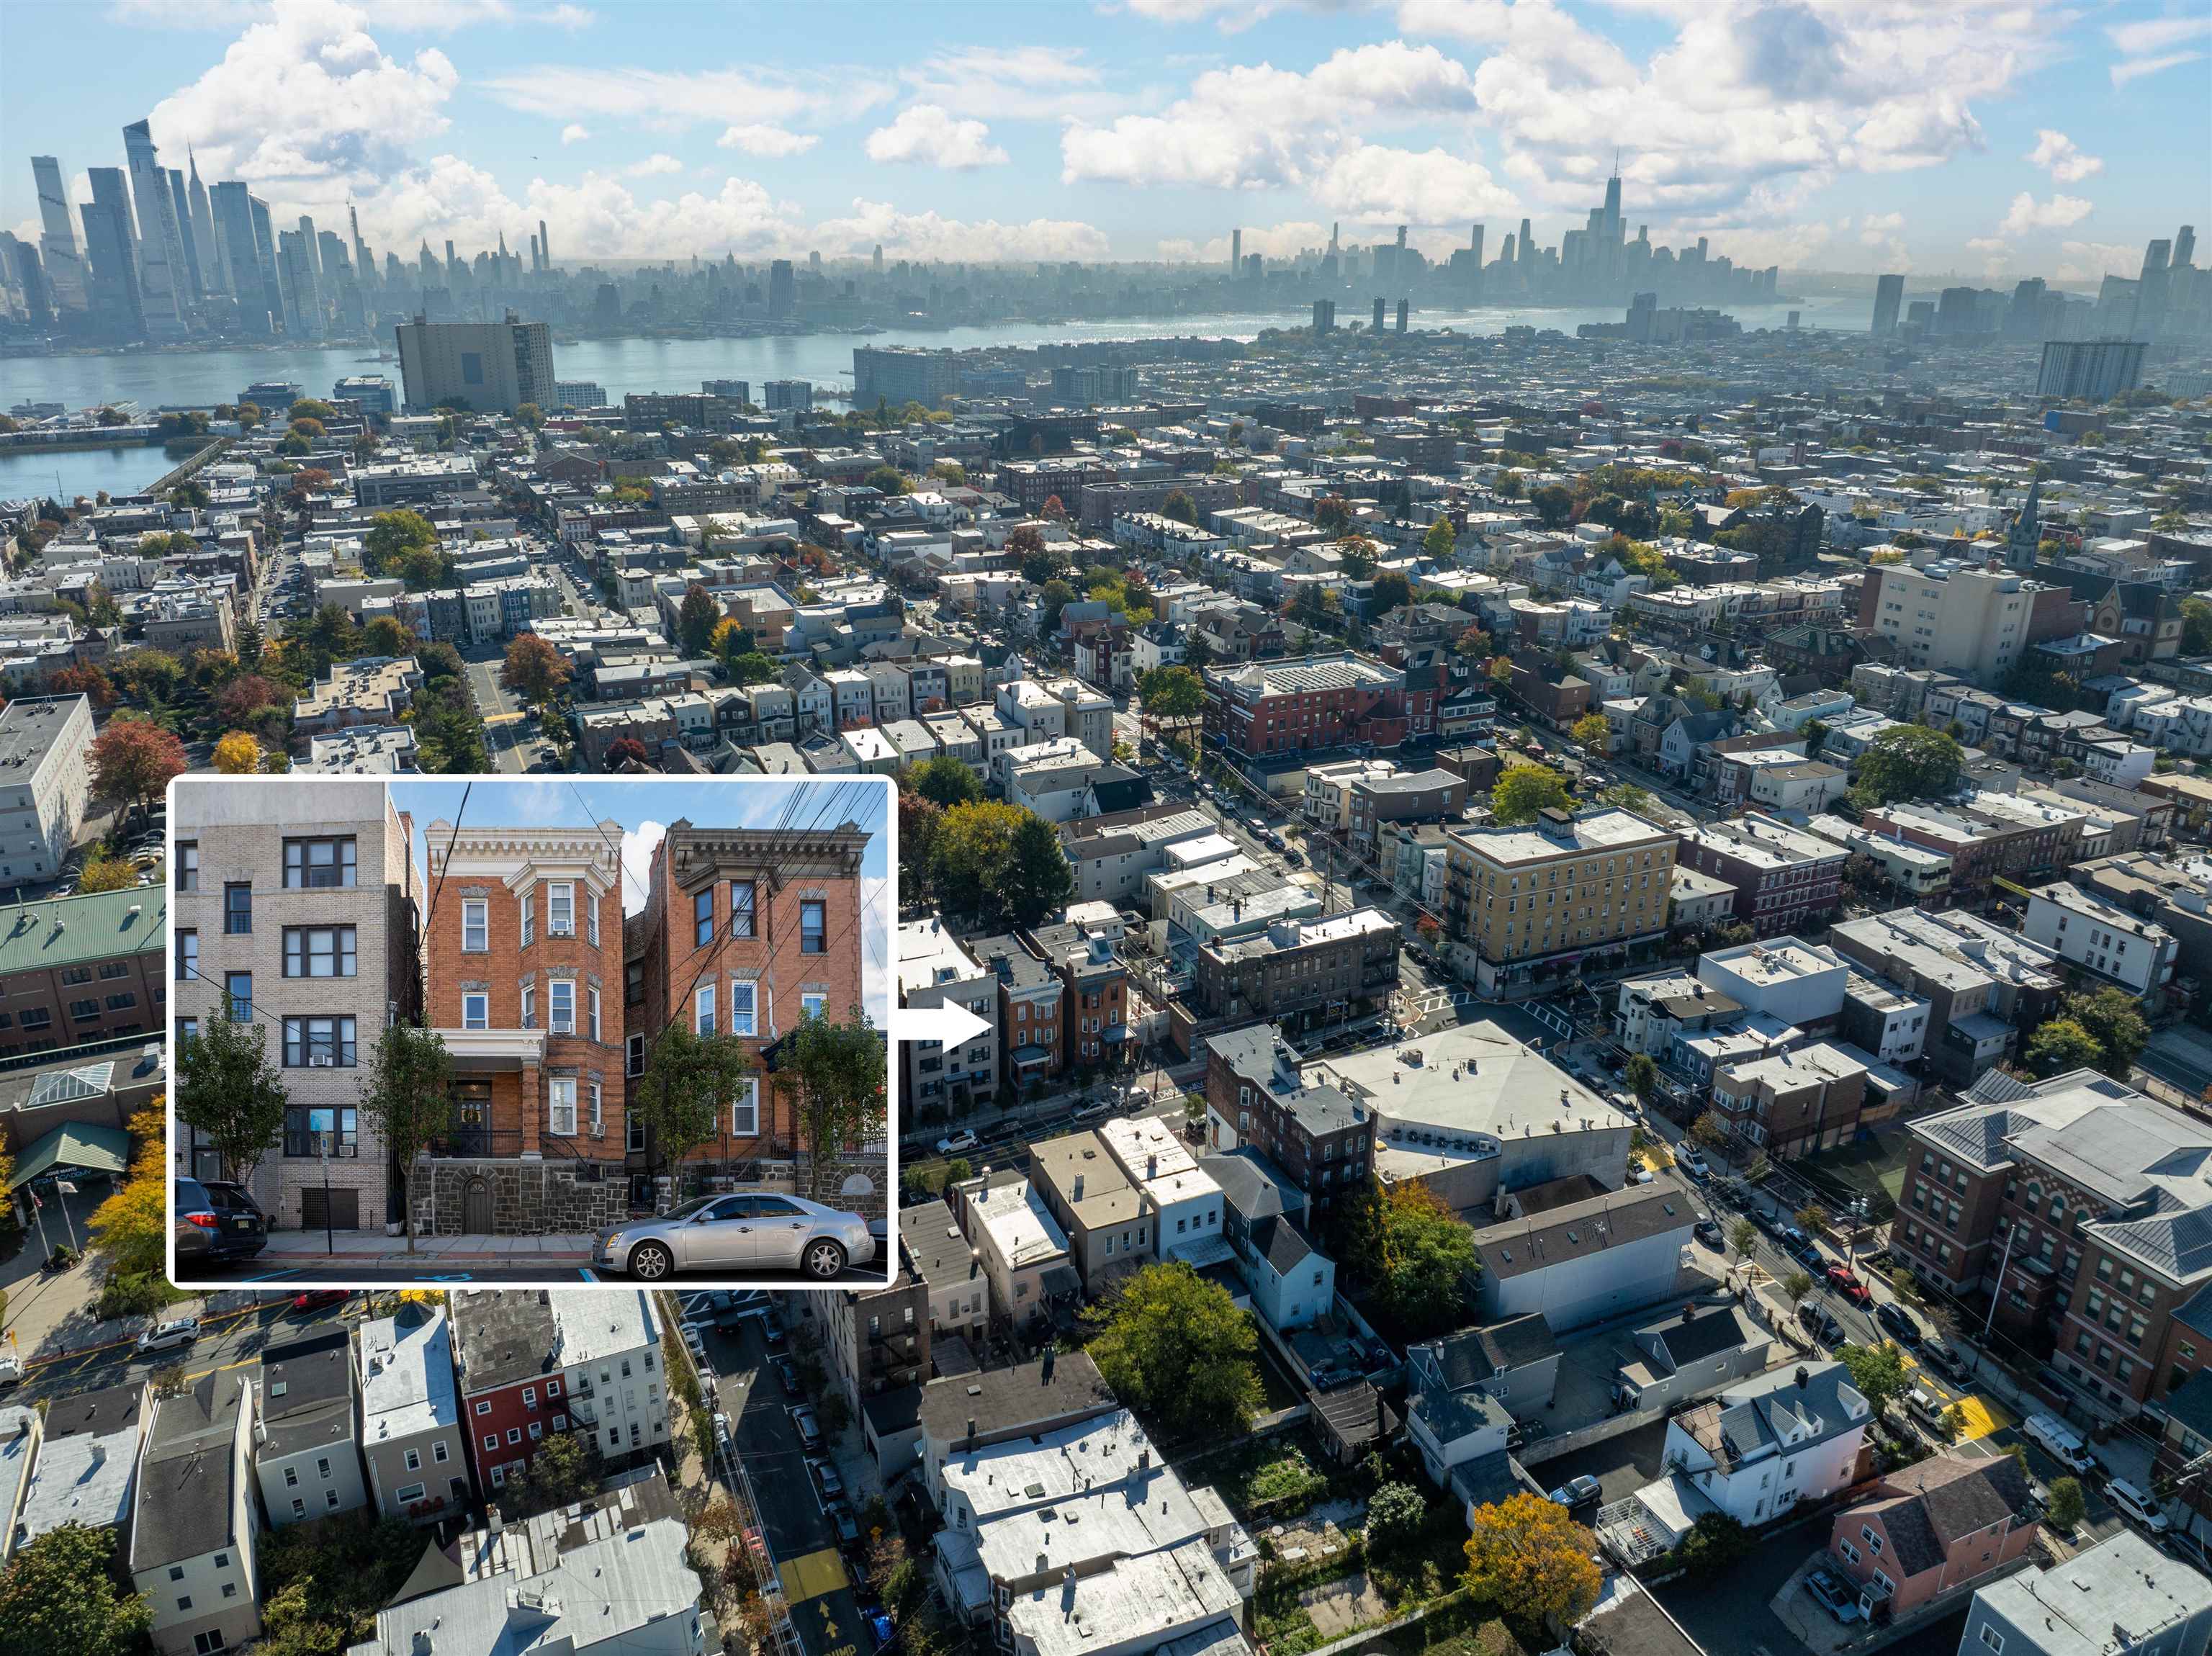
(825, 1259)
(650, 1262)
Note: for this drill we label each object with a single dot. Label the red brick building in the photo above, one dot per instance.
(1314, 702)
(1784, 877)
(1934, 1528)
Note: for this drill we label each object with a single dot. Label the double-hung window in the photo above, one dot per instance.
(188, 865)
(476, 1011)
(745, 1018)
(702, 917)
(813, 928)
(703, 1011)
(634, 1064)
(319, 1042)
(597, 1102)
(239, 985)
(562, 1107)
(741, 908)
(529, 919)
(311, 863)
(591, 1004)
(591, 918)
(237, 908)
(813, 1006)
(188, 955)
(319, 951)
(475, 926)
(560, 909)
(560, 1002)
(529, 1005)
(744, 1109)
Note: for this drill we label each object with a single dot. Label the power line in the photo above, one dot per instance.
(451, 841)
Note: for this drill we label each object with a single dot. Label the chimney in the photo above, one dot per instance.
(1078, 1187)
(1051, 1362)
(1804, 1377)
(971, 1431)
(1144, 1460)
(1153, 1166)
(1044, 1564)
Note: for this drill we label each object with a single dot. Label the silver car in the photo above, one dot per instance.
(736, 1236)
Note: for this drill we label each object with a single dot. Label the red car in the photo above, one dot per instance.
(1840, 1279)
(316, 1299)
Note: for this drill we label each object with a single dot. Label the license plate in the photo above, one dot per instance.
(242, 1224)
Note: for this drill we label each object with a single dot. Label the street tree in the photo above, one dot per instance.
(1592, 731)
(406, 1097)
(945, 781)
(689, 1080)
(1907, 761)
(2067, 1506)
(1174, 1346)
(534, 669)
(1797, 1285)
(229, 1092)
(1813, 1218)
(839, 1071)
(239, 754)
(1743, 1237)
(1641, 1075)
(1711, 1130)
(131, 1227)
(133, 760)
(1527, 1557)
(1171, 697)
(102, 872)
(1878, 1373)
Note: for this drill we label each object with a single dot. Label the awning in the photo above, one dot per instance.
(75, 1145)
(1059, 1280)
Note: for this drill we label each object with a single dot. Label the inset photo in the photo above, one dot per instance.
(523, 1032)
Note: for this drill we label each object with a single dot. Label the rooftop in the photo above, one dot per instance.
(407, 1375)
(63, 932)
(1604, 829)
(2121, 1594)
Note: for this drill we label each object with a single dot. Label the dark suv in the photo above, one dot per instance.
(244, 1231)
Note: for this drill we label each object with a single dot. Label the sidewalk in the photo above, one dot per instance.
(285, 1245)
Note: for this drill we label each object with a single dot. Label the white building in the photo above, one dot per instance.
(1024, 1250)
(1795, 982)
(88, 1463)
(192, 1551)
(2103, 937)
(45, 777)
(1184, 1199)
(608, 1341)
(1757, 1450)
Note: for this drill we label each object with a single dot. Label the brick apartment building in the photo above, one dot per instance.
(2075, 1202)
(1299, 972)
(297, 908)
(533, 1362)
(1032, 1021)
(1992, 837)
(1316, 702)
(1256, 1095)
(525, 949)
(747, 931)
(1789, 1103)
(1095, 1010)
(1784, 877)
(79, 969)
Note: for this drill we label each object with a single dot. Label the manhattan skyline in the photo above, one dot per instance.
(1984, 140)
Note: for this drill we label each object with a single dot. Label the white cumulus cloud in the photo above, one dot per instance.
(767, 141)
(929, 235)
(652, 165)
(2029, 215)
(575, 132)
(928, 136)
(2060, 156)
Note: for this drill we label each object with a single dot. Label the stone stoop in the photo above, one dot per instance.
(527, 1198)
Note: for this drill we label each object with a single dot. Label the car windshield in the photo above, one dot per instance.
(690, 1207)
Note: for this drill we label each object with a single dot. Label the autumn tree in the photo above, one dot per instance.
(1593, 732)
(1528, 1557)
(85, 681)
(534, 669)
(245, 695)
(238, 755)
(627, 750)
(133, 761)
(1711, 1130)
(131, 1227)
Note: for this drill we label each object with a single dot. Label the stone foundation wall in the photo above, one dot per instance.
(528, 1198)
(868, 1175)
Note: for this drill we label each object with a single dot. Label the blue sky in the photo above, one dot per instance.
(645, 808)
(1988, 137)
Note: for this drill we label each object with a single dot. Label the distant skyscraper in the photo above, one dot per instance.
(161, 272)
(19, 269)
(1888, 300)
(877, 261)
(264, 259)
(2097, 369)
(1236, 250)
(214, 278)
(1324, 315)
(486, 365)
(545, 244)
(57, 248)
(111, 250)
(303, 304)
(232, 210)
(195, 288)
(1376, 326)
(782, 289)
(2184, 247)
(1404, 309)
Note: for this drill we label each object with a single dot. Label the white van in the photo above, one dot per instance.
(2058, 1439)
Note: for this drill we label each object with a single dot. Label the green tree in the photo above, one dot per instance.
(1528, 1557)
(2060, 1044)
(1175, 1345)
(1641, 1075)
(406, 1097)
(565, 1470)
(2067, 1506)
(392, 537)
(1711, 1130)
(1389, 590)
(228, 1091)
(57, 1597)
(1907, 761)
(1743, 1239)
(753, 667)
(1170, 696)
(1180, 507)
(530, 415)
(1554, 503)
(1415, 1253)
(1905, 1286)
(1441, 540)
(1056, 597)
(2195, 627)
(981, 850)
(1716, 1544)
(946, 780)
(1526, 789)
(1795, 1286)
(2114, 1019)
(1627, 796)
(694, 621)
(1878, 1373)
(690, 1079)
(1396, 1515)
(838, 1068)
(888, 480)
(1043, 882)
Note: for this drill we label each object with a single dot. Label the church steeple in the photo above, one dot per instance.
(2025, 533)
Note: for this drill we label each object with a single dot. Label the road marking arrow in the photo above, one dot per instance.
(948, 1025)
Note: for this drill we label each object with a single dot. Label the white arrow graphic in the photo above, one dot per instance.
(948, 1025)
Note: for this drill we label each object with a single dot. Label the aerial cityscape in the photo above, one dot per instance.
(1083, 830)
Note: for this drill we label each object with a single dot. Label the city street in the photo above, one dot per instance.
(232, 1334)
(506, 728)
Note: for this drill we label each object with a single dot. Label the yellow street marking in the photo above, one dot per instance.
(812, 1575)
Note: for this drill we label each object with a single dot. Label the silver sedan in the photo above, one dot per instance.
(738, 1236)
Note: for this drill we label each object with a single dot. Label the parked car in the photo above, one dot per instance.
(826, 1479)
(1846, 1283)
(2134, 1503)
(1896, 1322)
(1811, 1257)
(169, 1336)
(320, 1299)
(787, 1372)
(1708, 1231)
(1091, 1109)
(1926, 1410)
(721, 1430)
(958, 1144)
(738, 1235)
(1829, 1590)
(1946, 1361)
(1693, 1163)
(2059, 1441)
(809, 1429)
(1578, 1491)
(1821, 1325)
(841, 1520)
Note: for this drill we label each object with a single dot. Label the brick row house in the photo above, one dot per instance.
(2080, 1205)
